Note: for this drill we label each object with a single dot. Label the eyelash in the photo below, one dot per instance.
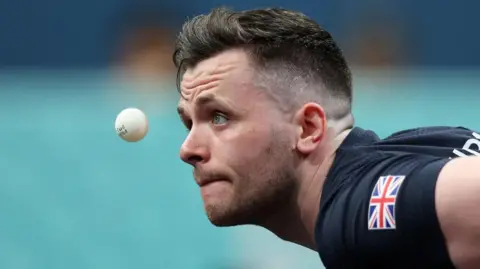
(189, 123)
(218, 113)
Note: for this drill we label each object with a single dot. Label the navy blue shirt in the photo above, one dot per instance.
(377, 208)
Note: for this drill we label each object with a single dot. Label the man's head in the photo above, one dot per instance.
(257, 90)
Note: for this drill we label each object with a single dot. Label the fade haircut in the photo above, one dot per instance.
(296, 60)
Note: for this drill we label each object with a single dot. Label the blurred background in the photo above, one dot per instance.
(73, 195)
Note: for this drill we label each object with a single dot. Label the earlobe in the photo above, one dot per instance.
(312, 124)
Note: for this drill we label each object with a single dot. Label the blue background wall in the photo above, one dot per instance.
(59, 33)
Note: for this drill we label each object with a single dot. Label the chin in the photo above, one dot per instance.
(222, 217)
(222, 223)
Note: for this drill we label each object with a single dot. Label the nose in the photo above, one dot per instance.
(194, 149)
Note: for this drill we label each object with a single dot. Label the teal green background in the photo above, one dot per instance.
(73, 195)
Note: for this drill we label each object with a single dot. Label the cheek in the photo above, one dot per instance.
(248, 157)
(244, 143)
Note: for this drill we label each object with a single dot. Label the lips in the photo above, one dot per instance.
(205, 181)
(204, 177)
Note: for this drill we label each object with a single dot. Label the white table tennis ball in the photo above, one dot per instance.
(131, 124)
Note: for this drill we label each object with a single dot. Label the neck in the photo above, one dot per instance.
(296, 223)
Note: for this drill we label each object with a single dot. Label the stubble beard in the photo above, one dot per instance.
(266, 187)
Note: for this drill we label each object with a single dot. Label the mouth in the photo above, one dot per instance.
(206, 181)
(214, 188)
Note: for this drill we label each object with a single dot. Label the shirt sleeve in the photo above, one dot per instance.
(415, 204)
(401, 217)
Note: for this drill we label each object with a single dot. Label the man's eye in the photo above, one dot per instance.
(219, 118)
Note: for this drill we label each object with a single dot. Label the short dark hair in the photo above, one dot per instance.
(276, 39)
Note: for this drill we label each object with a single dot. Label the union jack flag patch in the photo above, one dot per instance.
(381, 209)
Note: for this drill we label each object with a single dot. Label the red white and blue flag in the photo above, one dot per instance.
(381, 209)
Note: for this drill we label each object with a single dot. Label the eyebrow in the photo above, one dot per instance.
(180, 110)
(205, 99)
(202, 100)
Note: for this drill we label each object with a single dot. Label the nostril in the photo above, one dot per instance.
(194, 159)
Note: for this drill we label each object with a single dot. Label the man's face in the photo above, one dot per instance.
(239, 144)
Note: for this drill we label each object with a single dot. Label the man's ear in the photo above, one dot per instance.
(311, 124)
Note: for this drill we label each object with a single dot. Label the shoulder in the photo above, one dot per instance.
(449, 136)
(446, 142)
(377, 206)
(385, 196)
(433, 130)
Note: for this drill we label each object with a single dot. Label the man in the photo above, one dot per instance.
(266, 96)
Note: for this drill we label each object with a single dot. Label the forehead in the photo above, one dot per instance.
(224, 61)
(228, 73)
